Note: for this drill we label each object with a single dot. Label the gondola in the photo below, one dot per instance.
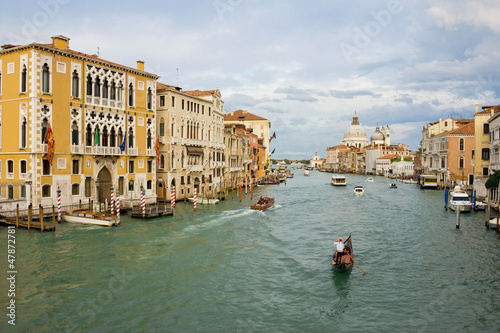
(346, 262)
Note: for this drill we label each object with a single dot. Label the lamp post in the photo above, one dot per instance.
(131, 189)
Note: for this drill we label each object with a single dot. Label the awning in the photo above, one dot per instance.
(195, 150)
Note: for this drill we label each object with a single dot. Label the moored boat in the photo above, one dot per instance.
(358, 190)
(85, 216)
(338, 180)
(345, 262)
(492, 223)
(264, 203)
(204, 201)
(459, 199)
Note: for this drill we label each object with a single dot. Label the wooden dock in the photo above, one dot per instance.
(152, 210)
(48, 223)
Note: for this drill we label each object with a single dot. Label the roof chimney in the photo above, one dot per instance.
(60, 42)
(477, 107)
(140, 65)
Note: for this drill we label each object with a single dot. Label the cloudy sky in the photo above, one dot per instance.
(307, 66)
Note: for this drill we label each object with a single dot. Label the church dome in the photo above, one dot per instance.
(377, 135)
(355, 135)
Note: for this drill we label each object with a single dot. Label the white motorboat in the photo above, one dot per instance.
(306, 172)
(492, 223)
(358, 190)
(481, 205)
(339, 180)
(84, 216)
(459, 199)
(370, 179)
(204, 201)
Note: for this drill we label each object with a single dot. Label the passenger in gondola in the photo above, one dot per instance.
(340, 251)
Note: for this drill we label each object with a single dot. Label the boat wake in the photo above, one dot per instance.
(219, 219)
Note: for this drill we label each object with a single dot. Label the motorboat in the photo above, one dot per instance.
(204, 201)
(85, 216)
(370, 179)
(306, 172)
(492, 223)
(345, 262)
(339, 180)
(393, 185)
(264, 203)
(358, 190)
(459, 199)
(481, 205)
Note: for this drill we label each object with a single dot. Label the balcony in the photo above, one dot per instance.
(151, 152)
(133, 151)
(96, 150)
(77, 149)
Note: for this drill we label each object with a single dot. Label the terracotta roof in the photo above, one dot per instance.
(462, 130)
(338, 147)
(198, 93)
(389, 156)
(161, 86)
(241, 115)
(487, 110)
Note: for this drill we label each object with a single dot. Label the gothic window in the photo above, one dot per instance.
(148, 140)
(131, 95)
(89, 85)
(105, 89)
(461, 144)
(45, 78)
(45, 126)
(130, 138)
(75, 85)
(97, 87)
(150, 99)
(105, 137)
(24, 131)
(74, 134)
(120, 92)
(112, 138)
(24, 73)
(112, 92)
(88, 135)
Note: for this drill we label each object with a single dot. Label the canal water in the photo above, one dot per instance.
(226, 268)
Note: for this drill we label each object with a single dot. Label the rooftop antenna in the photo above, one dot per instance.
(177, 69)
(98, 51)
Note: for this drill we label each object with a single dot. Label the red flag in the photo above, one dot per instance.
(51, 142)
(157, 148)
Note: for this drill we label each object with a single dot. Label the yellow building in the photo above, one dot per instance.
(92, 106)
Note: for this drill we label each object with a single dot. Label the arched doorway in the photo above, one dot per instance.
(103, 185)
(160, 190)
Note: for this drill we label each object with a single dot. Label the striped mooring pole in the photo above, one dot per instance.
(118, 205)
(172, 197)
(112, 200)
(194, 201)
(143, 201)
(58, 205)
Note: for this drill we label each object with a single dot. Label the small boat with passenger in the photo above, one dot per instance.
(264, 203)
(393, 185)
(343, 261)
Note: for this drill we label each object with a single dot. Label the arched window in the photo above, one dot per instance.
(46, 191)
(75, 85)
(120, 93)
(105, 137)
(105, 89)
(74, 134)
(112, 91)
(148, 140)
(88, 136)
(150, 99)
(24, 131)
(23, 79)
(130, 138)
(112, 138)
(162, 127)
(162, 161)
(45, 126)
(172, 161)
(45, 78)
(461, 144)
(89, 85)
(130, 95)
(97, 87)
(461, 163)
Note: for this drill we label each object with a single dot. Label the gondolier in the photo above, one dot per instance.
(340, 251)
